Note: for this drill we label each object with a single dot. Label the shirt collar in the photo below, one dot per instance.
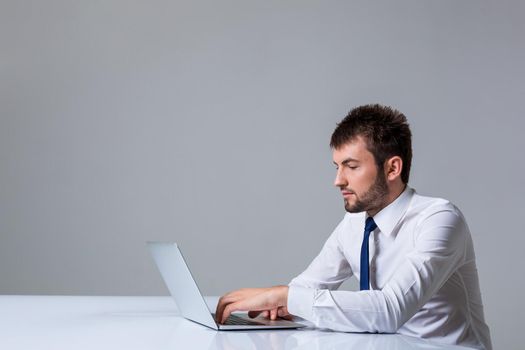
(387, 219)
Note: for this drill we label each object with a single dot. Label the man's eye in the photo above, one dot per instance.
(352, 166)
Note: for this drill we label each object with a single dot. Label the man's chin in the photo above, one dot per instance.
(352, 208)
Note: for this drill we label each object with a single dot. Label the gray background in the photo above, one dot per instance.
(207, 123)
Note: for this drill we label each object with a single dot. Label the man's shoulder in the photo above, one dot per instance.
(427, 205)
(435, 212)
(438, 219)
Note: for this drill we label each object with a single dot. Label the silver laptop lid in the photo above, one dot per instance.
(180, 283)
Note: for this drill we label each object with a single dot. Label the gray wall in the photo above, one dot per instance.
(208, 124)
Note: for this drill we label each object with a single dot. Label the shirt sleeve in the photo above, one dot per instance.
(439, 250)
(329, 269)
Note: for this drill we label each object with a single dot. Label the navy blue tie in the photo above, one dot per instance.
(364, 281)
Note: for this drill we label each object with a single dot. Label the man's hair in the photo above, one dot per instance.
(385, 130)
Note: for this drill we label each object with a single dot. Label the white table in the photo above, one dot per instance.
(78, 322)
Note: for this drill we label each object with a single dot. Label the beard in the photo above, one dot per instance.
(373, 198)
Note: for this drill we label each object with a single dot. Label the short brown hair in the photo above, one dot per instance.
(385, 130)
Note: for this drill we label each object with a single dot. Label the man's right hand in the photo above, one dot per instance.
(234, 296)
(245, 294)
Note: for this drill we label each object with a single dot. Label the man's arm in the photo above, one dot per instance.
(439, 251)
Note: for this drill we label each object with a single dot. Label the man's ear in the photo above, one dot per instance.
(393, 168)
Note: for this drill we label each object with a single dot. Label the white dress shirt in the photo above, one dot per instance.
(423, 276)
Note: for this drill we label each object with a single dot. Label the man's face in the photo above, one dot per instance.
(362, 186)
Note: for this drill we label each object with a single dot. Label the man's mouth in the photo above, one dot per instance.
(347, 193)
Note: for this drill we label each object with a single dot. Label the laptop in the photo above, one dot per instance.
(188, 297)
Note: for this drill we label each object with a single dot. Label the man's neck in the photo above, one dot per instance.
(392, 195)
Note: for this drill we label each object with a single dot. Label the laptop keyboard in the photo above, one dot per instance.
(234, 320)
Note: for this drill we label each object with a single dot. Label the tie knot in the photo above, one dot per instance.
(370, 224)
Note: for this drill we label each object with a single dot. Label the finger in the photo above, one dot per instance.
(220, 307)
(273, 314)
(282, 312)
(266, 314)
(223, 301)
(288, 317)
(285, 316)
(241, 305)
(227, 312)
(253, 314)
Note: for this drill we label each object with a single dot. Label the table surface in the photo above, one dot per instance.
(82, 322)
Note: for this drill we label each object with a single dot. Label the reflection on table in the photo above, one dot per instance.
(65, 322)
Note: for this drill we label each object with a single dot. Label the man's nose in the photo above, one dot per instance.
(339, 179)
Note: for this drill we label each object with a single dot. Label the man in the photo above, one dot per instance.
(413, 255)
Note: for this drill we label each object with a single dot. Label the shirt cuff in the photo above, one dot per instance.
(300, 301)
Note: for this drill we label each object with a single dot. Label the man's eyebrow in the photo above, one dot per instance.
(347, 160)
